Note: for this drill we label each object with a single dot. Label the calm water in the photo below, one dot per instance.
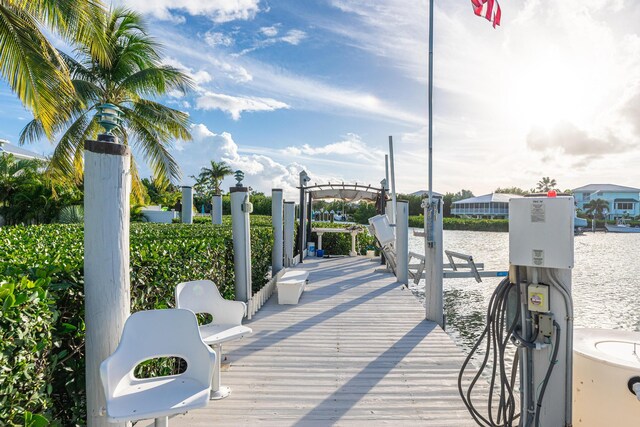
(606, 281)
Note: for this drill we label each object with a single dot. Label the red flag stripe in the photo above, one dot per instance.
(486, 9)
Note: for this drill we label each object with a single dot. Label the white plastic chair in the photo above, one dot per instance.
(202, 296)
(149, 335)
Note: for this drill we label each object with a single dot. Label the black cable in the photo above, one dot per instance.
(552, 363)
(497, 333)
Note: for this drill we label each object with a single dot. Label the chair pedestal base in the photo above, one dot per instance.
(220, 394)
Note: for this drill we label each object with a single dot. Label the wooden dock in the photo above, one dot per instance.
(356, 349)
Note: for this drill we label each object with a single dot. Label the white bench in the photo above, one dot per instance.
(291, 285)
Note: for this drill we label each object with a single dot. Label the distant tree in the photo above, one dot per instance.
(595, 208)
(363, 212)
(261, 203)
(511, 190)
(461, 195)
(546, 184)
(27, 196)
(447, 199)
(415, 203)
(215, 174)
(161, 191)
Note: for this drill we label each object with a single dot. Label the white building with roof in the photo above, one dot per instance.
(623, 201)
(18, 152)
(493, 206)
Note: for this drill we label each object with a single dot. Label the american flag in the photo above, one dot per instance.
(490, 9)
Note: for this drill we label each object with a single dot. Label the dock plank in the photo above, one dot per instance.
(355, 349)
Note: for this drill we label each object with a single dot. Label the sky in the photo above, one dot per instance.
(320, 85)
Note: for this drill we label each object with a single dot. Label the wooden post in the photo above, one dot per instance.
(216, 209)
(276, 220)
(288, 232)
(402, 242)
(187, 205)
(434, 304)
(107, 186)
(240, 210)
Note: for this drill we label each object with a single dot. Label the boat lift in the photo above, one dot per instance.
(384, 233)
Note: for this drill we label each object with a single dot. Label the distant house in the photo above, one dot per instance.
(18, 152)
(424, 193)
(623, 201)
(493, 206)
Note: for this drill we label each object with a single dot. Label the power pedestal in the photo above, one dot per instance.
(541, 259)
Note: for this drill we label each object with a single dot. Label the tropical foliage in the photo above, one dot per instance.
(130, 77)
(42, 302)
(31, 66)
(161, 192)
(546, 184)
(596, 207)
(465, 224)
(27, 196)
(211, 178)
(511, 190)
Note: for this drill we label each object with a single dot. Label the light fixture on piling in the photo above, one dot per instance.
(109, 117)
(239, 177)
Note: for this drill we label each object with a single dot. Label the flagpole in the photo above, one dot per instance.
(434, 302)
(430, 101)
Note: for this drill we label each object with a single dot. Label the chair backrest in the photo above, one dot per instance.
(199, 296)
(383, 230)
(153, 334)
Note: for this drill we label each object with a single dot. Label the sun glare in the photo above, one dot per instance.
(547, 91)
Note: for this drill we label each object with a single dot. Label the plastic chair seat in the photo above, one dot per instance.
(217, 334)
(157, 397)
(149, 335)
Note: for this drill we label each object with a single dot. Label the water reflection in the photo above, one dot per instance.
(606, 281)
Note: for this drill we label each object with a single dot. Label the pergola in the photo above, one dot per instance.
(346, 192)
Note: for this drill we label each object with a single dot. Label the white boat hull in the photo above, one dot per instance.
(621, 229)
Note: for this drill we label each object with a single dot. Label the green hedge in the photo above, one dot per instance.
(41, 289)
(464, 224)
(340, 243)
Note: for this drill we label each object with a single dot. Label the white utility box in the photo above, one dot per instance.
(541, 231)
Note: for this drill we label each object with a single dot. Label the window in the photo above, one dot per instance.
(624, 206)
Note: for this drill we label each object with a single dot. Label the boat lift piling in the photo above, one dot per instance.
(240, 209)
(276, 220)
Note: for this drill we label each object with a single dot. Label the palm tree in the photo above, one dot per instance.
(596, 208)
(31, 66)
(215, 174)
(132, 74)
(546, 184)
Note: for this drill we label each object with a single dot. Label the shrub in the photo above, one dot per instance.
(340, 243)
(47, 261)
(465, 224)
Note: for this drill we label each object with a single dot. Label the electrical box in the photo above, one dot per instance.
(541, 231)
(538, 298)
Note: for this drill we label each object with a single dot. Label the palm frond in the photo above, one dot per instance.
(153, 143)
(32, 67)
(157, 81)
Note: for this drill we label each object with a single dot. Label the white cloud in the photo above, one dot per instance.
(199, 77)
(236, 105)
(294, 37)
(350, 149)
(218, 11)
(271, 31)
(568, 139)
(214, 39)
(300, 91)
(262, 172)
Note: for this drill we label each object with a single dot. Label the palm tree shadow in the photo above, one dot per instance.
(353, 391)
